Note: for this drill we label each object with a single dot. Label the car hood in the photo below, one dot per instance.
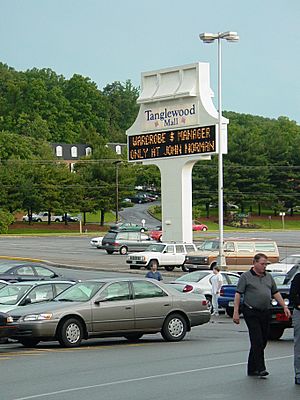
(203, 253)
(145, 253)
(47, 307)
(6, 307)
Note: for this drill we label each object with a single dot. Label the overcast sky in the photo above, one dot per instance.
(117, 40)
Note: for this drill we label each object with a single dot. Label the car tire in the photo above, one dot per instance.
(169, 267)
(275, 333)
(160, 239)
(29, 342)
(133, 337)
(39, 220)
(229, 311)
(209, 303)
(185, 268)
(204, 229)
(142, 230)
(70, 333)
(174, 328)
(123, 250)
(57, 220)
(109, 251)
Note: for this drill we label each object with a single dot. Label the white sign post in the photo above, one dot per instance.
(176, 127)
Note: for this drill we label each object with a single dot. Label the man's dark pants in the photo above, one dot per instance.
(258, 324)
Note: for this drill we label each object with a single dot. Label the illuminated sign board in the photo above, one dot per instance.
(173, 143)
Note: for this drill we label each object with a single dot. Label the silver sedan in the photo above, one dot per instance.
(129, 307)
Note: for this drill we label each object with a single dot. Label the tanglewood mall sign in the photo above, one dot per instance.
(171, 143)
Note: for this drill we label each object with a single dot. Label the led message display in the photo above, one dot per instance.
(177, 142)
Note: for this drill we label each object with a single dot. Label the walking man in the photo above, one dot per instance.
(216, 283)
(258, 287)
(295, 299)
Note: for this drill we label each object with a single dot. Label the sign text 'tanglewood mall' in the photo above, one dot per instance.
(177, 142)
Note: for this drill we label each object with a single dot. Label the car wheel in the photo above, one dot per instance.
(70, 333)
(184, 268)
(29, 342)
(57, 220)
(142, 229)
(133, 337)
(109, 251)
(39, 220)
(275, 333)
(204, 229)
(169, 267)
(160, 238)
(229, 311)
(174, 328)
(209, 303)
(123, 250)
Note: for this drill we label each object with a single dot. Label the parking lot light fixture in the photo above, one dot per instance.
(210, 38)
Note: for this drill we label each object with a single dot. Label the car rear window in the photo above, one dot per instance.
(110, 235)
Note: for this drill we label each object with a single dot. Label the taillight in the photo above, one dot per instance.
(222, 291)
(187, 288)
(204, 302)
(281, 317)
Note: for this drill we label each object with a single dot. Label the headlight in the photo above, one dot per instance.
(9, 319)
(37, 317)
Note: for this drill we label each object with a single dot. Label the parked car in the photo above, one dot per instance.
(129, 226)
(124, 241)
(70, 218)
(43, 217)
(129, 307)
(285, 264)
(167, 255)
(96, 242)
(199, 227)
(24, 293)
(238, 253)
(200, 282)
(18, 271)
(156, 234)
(7, 327)
(278, 321)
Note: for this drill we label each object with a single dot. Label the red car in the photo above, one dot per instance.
(199, 227)
(157, 233)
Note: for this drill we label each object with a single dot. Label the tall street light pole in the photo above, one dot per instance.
(210, 38)
(117, 189)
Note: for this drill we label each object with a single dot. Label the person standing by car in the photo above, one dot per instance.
(295, 299)
(216, 283)
(258, 287)
(153, 273)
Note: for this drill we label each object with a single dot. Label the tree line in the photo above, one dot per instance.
(38, 107)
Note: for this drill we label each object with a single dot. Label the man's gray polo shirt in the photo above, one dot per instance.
(257, 290)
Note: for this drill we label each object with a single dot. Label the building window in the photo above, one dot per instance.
(74, 151)
(88, 151)
(59, 151)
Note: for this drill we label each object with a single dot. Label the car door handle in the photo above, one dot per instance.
(167, 305)
(128, 308)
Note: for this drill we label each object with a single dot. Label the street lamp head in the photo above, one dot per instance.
(211, 37)
(208, 37)
(230, 36)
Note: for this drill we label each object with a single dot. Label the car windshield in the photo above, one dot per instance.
(193, 276)
(210, 245)
(12, 294)
(158, 248)
(82, 291)
(291, 260)
(5, 268)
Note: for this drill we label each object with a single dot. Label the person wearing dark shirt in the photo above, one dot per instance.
(258, 287)
(153, 273)
(295, 299)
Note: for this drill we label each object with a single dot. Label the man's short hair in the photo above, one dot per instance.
(217, 268)
(258, 256)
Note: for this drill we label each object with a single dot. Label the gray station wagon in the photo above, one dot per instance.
(124, 242)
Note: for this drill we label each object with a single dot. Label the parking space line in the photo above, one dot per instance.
(143, 378)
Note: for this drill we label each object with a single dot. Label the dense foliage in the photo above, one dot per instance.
(38, 107)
